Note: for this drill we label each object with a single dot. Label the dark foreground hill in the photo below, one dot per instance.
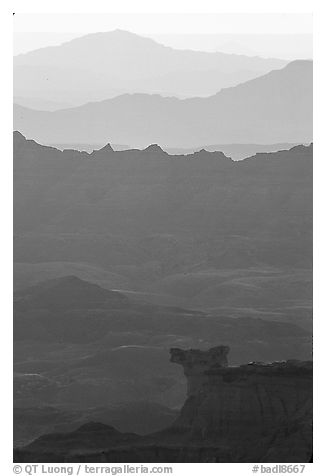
(140, 417)
(275, 107)
(251, 413)
(67, 293)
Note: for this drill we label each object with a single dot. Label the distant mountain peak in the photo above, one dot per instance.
(106, 149)
(122, 32)
(216, 154)
(206, 152)
(299, 63)
(120, 61)
(154, 148)
(19, 137)
(117, 35)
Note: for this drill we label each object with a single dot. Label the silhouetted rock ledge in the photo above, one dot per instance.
(258, 412)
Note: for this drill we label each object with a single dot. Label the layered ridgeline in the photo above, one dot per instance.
(197, 230)
(231, 240)
(261, 207)
(276, 107)
(255, 412)
(102, 65)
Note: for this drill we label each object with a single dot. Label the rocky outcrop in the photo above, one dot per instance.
(258, 412)
(196, 363)
(259, 402)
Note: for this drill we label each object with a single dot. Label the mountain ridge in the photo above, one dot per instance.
(188, 230)
(20, 139)
(119, 62)
(290, 65)
(132, 37)
(276, 107)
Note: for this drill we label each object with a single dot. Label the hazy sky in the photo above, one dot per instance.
(286, 36)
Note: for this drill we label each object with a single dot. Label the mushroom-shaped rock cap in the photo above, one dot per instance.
(212, 358)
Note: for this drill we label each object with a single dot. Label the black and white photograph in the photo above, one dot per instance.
(162, 239)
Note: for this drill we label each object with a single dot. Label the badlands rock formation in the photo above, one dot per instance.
(269, 404)
(257, 412)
